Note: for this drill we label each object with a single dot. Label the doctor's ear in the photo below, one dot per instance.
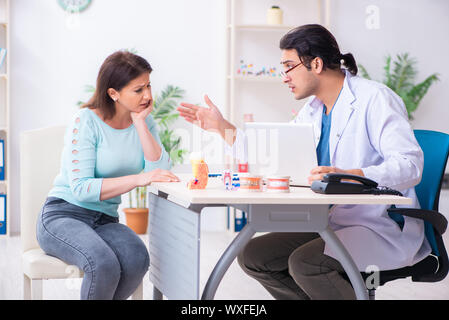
(317, 65)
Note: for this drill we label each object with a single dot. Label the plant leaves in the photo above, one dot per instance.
(364, 73)
(387, 73)
(402, 78)
(166, 102)
(417, 92)
(89, 88)
(404, 73)
(167, 120)
(164, 113)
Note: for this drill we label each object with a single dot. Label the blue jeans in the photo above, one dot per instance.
(114, 259)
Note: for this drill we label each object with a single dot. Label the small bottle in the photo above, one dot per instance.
(274, 16)
(227, 179)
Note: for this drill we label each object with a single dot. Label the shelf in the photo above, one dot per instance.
(261, 27)
(5, 32)
(258, 79)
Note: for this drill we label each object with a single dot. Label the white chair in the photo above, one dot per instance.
(40, 161)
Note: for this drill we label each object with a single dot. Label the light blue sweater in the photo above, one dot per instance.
(93, 151)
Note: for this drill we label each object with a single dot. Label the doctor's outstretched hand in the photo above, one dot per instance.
(209, 119)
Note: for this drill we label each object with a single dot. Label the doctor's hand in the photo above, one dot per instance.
(209, 119)
(317, 173)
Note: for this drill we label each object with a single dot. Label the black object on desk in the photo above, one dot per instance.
(332, 184)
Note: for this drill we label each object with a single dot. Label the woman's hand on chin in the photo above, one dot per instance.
(140, 116)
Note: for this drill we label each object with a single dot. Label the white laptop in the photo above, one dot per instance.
(286, 149)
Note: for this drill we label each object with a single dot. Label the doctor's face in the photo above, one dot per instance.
(301, 82)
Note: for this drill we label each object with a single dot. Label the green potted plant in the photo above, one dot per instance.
(164, 113)
(137, 216)
(401, 80)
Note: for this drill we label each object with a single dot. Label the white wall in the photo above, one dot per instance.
(184, 42)
(415, 26)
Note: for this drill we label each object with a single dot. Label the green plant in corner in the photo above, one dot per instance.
(401, 78)
(165, 114)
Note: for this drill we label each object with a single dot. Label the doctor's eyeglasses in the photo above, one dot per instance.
(284, 73)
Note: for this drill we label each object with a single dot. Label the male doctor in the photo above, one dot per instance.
(361, 128)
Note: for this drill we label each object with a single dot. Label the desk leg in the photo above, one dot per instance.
(226, 260)
(157, 295)
(346, 261)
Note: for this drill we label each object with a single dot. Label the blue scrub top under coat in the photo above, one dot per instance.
(322, 150)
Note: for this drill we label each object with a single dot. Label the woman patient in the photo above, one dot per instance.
(111, 147)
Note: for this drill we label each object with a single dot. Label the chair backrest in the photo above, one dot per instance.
(40, 162)
(435, 146)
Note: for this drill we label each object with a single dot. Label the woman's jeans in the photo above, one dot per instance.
(114, 259)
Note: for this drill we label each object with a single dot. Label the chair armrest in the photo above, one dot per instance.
(436, 219)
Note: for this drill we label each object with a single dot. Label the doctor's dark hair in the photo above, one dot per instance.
(116, 72)
(313, 40)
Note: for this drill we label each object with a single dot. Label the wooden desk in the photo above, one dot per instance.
(174, 230)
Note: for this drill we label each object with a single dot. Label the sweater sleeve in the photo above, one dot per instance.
(81, 142)
(164, 162)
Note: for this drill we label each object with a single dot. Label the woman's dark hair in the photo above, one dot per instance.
(313, 40)
(117, 71)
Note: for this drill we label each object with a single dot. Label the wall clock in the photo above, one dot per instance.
(74, 5)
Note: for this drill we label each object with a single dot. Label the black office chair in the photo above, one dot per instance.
(434, 267)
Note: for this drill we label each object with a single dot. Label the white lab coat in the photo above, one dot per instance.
(370, 131)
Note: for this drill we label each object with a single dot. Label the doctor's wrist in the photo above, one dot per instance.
(356, 172)
(227, 131)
